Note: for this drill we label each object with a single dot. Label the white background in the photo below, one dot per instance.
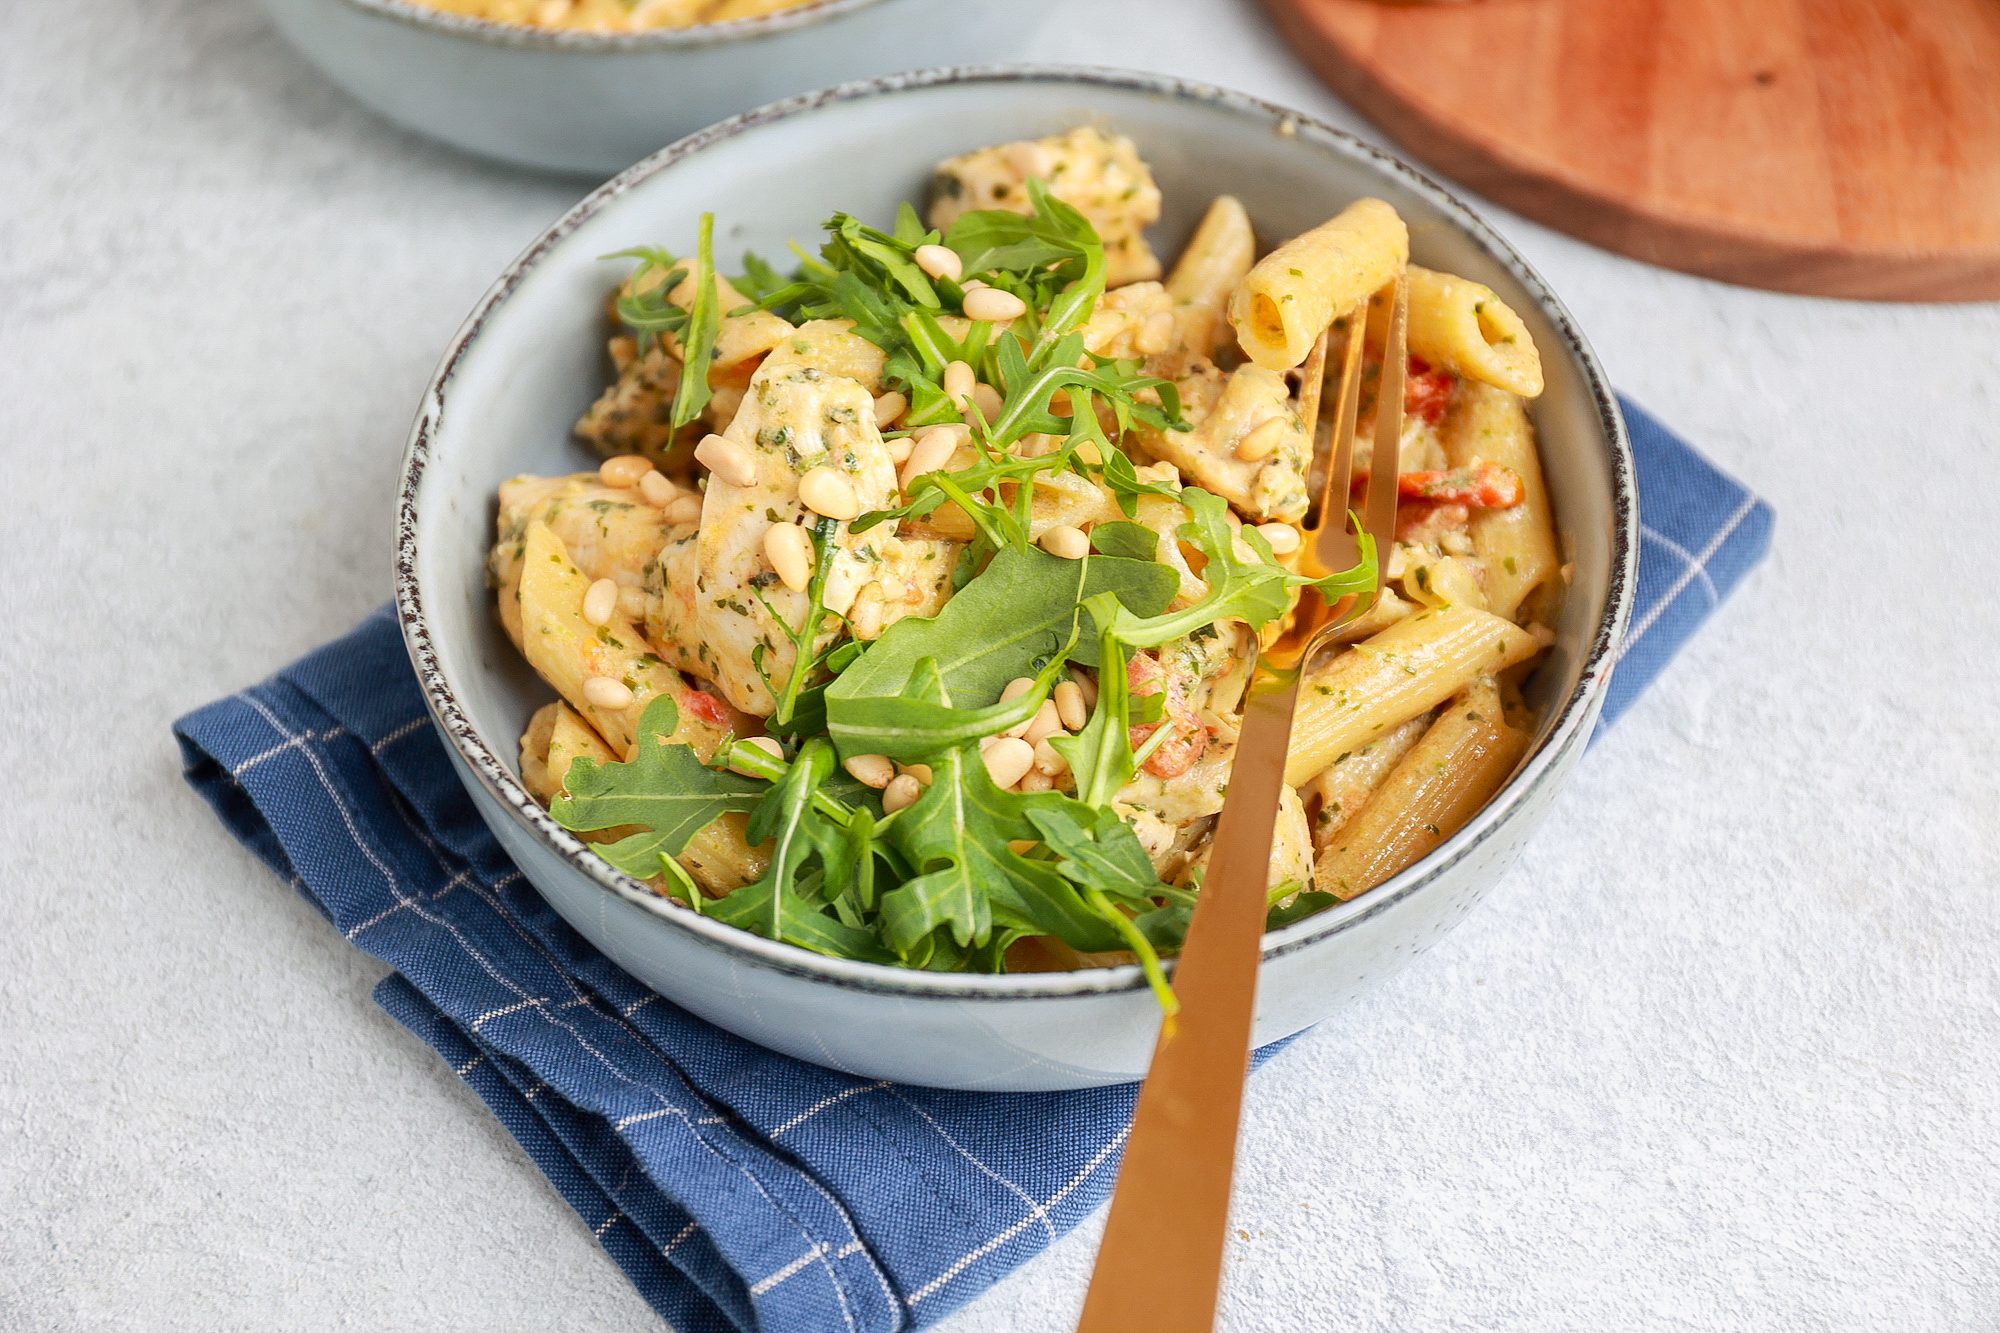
(1724, 1050)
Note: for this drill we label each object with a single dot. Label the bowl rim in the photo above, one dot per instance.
(1571, 728)
(491, 31)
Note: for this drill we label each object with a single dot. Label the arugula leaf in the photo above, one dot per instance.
(664, 788)
(1005, 623)
(1132, 541)
(1100, 756)
(1299, 908)
(785, 699)
(913, 728)
(698, 338)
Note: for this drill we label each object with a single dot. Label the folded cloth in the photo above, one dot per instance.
(738, 1188)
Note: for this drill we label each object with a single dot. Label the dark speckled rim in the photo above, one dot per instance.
(606, 43)
(1570, 730)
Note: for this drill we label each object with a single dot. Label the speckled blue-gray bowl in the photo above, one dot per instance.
(589, 103)
(529, 359)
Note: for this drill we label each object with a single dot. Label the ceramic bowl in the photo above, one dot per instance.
(530, 358)
(590, 103)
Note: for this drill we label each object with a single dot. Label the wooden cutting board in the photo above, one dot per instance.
(1836, 147)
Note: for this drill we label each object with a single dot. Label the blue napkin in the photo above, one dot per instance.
(738, 1189)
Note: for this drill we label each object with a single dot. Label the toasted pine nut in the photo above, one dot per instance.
(1070, 706)
(790, 552)
(1066, 541)
(921, 772)
(1008, 760)
(1047, 722)
(611, 695)
(993, 306)
(1088, 684)
(1262, 440)
(728, 460)
(958, 381)
(1033, 781)
(657, 489)
(871, 770)
(600, 601)
(632, 603)
(1017, 687)
(1047, 760)
(932, 451)
(1155, 335)
(901, 793)
(888, 407)
(686, 509)
(1283, 537)
(899, 448)
(940, 261)
(623, 470)
(825, 491)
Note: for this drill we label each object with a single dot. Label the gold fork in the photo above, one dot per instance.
(1160, 1264)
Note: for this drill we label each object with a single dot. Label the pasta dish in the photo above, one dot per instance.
(611, 15)
(909, 614)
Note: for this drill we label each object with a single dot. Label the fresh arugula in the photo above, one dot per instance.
(645, 306)
(805, 660)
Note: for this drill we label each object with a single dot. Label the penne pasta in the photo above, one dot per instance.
(1516, 545)
(1217, 257)
(609, 533)
(1437, 787)
(1339, 791)
(1467, 329)
(1291, 294)
(742, 336)
(1406, 670)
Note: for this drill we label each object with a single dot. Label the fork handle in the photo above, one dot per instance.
(1161, 1260)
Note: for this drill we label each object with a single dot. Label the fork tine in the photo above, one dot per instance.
(1387, 452)
(1335, 492)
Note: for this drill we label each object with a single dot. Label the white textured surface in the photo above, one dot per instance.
(1723, 1052)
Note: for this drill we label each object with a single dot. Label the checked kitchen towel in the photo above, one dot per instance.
(738, 1189)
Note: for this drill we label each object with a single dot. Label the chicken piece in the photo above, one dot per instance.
(610, 533)
(634, 414)
(717, 591)
(1291, 847)
(1098, 174)
(832, 345)
(1226, 410)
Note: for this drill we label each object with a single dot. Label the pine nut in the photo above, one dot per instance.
(1283, 537)
(657, 489)
(1028, 158)
(790, 552)
(1008, 760)
(1066, 541)
(888, 407)
(940, 261)
(1155, 335)
(921, 772)
(866, 617)
(901, 793)
(687, 509)
(989, 402)
(1016, 687)
(958, 382)
(1242, 551)
(1070, 706)
(1262, 440)
(1047, 722)
(899, 448)
(1047, 761)
(632, 603)
(825, 491)
(992, 306)
(764, 743)
(871, 770)
(727, 460)
(1033, 781)
(613, 696)
(1088, 684)
(624, 470)
(932, 451)
(600, 601)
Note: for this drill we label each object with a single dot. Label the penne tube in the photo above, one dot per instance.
(1466, 328)
(738, 337)
(1217, 257)
(1438, 786)
(1408, 669)
(608, 532)
(1341, 789)
(569, 651)
(1516, 545)
(535, 753)
(1292, 294)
